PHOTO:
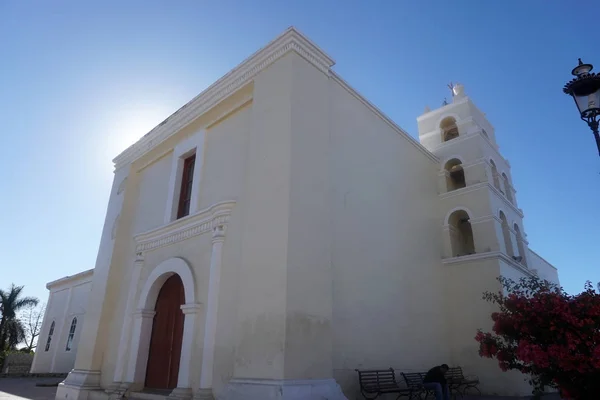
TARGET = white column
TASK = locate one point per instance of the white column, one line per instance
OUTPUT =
(140, 345)
(58, 335)
(85, 376)
(210, 330)
(184, 387)
(127, 319)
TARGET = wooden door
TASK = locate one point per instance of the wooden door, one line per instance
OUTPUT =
(167, 333)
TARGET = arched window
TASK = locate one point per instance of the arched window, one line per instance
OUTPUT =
(455, 175)
(449, 129)
(461, 234)
(50, 333)
(506, 234)
(507, 188)
(71, 334)
(520, 244)
(495, 175)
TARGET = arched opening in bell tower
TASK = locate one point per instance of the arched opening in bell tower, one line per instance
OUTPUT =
(455, 175)
(507, 188)
(449, 129)
(520, 244)
(506, 235)
(495, 178)
(461, 234)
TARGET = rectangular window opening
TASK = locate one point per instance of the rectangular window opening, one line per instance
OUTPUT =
(185, 193)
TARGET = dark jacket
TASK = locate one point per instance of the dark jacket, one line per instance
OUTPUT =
(435, 374)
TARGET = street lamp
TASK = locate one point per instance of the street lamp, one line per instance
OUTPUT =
(585, 90)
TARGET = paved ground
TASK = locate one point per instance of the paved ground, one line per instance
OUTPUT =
(25, 388)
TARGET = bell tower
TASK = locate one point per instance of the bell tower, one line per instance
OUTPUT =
(474, 183)
(481, 227)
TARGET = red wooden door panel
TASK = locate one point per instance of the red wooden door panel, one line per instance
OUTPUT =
(167, 334)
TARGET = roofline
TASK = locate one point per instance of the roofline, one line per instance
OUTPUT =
(289, 41)
(70, 278)
(385, 118)
(445, 108)
(543, 259)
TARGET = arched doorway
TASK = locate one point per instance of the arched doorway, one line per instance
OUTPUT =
(167, 334)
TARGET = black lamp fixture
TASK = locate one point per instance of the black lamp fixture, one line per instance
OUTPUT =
(585, 90)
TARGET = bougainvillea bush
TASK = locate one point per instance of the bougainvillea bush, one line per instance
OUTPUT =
(551, 336)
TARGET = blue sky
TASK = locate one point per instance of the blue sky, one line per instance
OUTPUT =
(80, 81)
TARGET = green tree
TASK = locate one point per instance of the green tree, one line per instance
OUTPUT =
(12, 331)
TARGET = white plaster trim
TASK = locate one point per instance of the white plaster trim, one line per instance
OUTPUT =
(290, 41)
(160, 274)
(452, 157)
(235, 107)
(184, 228)
(384, 117)
(487, 256)
(459, 208)
(127, 318)
(447, 108)
(85, 276)
(210, 331)
(477, 186)
(445, 115)
(146, 164)
(184, 149)
(192, 308)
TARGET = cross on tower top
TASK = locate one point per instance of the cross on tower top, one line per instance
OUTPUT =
(451, 87)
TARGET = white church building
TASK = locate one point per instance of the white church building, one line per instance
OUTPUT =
(279, 231)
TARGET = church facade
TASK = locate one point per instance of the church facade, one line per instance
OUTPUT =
(279, 231)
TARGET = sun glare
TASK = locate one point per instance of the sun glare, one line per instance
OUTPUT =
(135, 124)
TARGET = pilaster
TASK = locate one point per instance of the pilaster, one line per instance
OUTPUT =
(184, 387)
(85, 377)
(124, 341)
(138, 351)
(210, 331)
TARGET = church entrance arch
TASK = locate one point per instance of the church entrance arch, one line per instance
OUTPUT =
(164, 353)
(163, 328)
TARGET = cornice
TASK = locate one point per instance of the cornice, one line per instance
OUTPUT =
(290, 41)
(542, 258)
(488, 256)
(446, 108)
(81, 276)
(477, 186)
(207, 220)
(384, 117)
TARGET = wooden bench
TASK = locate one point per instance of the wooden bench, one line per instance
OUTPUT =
(377, 382)
(458, 383)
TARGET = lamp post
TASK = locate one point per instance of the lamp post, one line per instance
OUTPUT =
(585, 90)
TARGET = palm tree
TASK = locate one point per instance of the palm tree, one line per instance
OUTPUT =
(11, 329)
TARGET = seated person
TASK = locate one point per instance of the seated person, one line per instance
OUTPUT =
(435, 380)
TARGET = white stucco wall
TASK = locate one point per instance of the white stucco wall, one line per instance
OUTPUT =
(544, 269)
(67, 300)
(385, 246)
(153, 188)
